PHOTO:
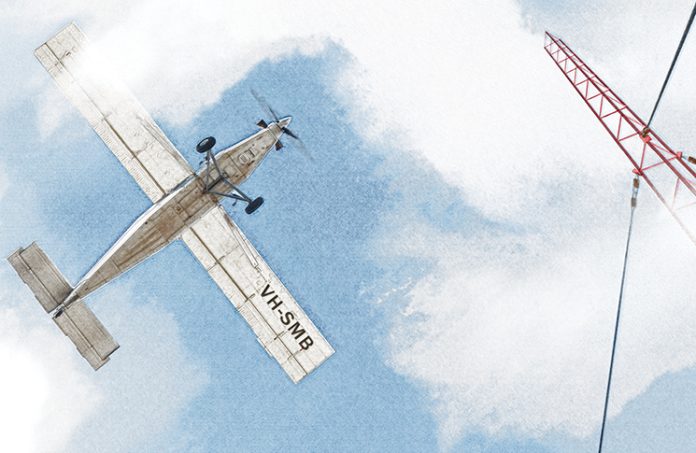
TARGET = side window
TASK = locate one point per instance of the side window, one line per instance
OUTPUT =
(246, 157)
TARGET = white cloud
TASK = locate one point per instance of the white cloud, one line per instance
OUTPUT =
(513, 332)
(52, 112)
(53, 401)
(524, 320)
(148, 382)
(45, 391)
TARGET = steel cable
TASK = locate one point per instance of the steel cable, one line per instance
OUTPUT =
(634, 199)
(671, 67)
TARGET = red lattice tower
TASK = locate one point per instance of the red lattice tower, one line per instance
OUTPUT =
(664, 170)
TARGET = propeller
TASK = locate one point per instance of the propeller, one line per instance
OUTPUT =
(269, 110)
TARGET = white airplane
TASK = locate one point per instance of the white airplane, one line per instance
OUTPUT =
(186, 206)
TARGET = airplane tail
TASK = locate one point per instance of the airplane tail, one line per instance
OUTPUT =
(74, 318)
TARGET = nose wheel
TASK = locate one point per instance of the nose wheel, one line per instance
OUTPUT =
(205, 145)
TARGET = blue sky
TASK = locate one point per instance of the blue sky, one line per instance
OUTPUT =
(468, 293)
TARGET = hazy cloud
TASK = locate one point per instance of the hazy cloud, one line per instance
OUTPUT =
(53, 401)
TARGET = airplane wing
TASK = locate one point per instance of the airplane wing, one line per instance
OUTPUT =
(281, 326)
(118, 118)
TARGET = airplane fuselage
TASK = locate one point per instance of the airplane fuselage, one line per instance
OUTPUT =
(165, 220)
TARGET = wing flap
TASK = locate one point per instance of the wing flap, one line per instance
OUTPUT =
(280, 324)
(119, 120)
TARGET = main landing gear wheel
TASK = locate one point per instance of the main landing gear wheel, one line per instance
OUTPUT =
(253, 205)
(205, 145)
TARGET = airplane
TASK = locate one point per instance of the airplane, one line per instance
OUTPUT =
(186, 205)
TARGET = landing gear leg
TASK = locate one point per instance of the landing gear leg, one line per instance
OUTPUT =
(205, 146)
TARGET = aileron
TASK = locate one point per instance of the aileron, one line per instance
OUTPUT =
(119, 120)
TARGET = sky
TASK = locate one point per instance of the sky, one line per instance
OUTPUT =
(457, 236)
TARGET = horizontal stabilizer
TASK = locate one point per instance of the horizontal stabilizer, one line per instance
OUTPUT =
(42, 276)
(88, 334)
